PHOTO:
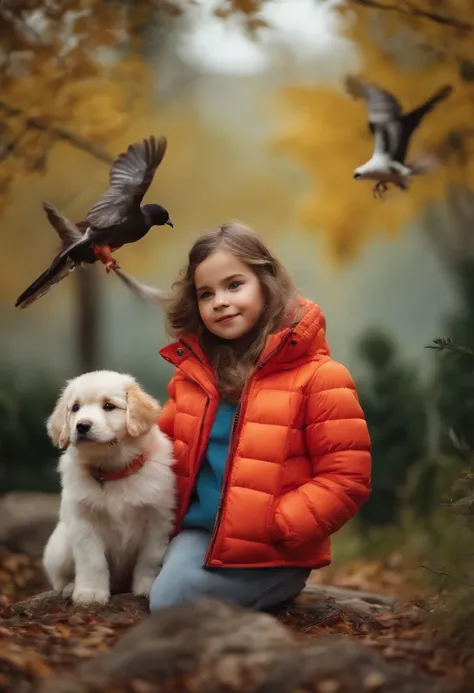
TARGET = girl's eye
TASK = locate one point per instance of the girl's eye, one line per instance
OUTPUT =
(205, 295)
(234, 285)
(75, 407)
(108, 406)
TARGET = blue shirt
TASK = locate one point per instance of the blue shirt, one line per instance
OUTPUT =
(208, 487)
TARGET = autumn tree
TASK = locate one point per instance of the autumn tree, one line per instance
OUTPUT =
(57, 85)
(410, 48)
(73, 71)
(69, 69)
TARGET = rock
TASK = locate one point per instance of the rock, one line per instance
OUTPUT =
(346, 595)
(52, 602)
(27, 520)
(206, 638)
(345, 666)
(210, 647)
(317, 606)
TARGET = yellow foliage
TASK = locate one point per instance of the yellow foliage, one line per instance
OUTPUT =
(97, 108)
(54, 74)
(326, 130)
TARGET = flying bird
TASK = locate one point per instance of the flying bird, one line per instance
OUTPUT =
(117, 218)
(392, 131)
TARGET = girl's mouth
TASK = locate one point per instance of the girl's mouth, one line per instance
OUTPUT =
(227, 318)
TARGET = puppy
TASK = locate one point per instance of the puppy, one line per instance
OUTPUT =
(118, 489)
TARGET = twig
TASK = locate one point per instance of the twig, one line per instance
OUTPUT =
(417, 12)
(446, 575)
(58, 132)
(9, 147)
(446, 344)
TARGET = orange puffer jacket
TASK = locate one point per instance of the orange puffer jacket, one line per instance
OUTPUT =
(299, 462)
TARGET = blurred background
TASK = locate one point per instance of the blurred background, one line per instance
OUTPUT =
(250, 96)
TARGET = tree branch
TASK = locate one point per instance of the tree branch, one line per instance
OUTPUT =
(414, 11)
(9, 147)
(447, 575)
(58, 132)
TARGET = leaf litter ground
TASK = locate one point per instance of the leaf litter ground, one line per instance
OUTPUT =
(40, 640)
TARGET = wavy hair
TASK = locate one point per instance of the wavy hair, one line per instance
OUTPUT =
(233, 361)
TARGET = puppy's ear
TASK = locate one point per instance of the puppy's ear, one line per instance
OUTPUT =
(142, 411)
(58, 423)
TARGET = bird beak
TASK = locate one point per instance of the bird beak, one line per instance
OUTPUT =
(170, 223)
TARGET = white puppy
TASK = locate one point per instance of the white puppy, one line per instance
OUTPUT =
(118, 489)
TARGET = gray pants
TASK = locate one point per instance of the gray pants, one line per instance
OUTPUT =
(183, 578)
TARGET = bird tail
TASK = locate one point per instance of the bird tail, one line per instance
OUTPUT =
(45, 282)
(70, 235)
(151, 294)
(418, 113)
(422, 164)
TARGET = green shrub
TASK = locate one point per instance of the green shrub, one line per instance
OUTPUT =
(27, 458)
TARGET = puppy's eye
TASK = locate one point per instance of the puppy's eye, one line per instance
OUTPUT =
(75, 407)
(108, 406)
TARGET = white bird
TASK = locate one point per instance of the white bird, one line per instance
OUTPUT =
(392, 131)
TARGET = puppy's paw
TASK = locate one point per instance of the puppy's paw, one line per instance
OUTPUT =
(68, 591)
(83, 596)
(142, 585)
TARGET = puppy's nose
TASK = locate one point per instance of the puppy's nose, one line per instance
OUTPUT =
(83, 426)
(356, 175)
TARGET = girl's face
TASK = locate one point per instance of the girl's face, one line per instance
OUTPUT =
(229, 295)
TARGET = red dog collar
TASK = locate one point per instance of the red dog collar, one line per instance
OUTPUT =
(136, 464)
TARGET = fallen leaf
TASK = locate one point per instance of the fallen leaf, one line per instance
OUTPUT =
(64, 631)
(82, 652)
(374, 681)
(39, 668)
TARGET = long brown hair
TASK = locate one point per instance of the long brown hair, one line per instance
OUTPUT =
(233, 362)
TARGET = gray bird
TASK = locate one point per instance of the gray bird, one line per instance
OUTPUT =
(392, 131)
(117, 218)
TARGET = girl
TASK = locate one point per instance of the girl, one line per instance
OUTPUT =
(272, 449)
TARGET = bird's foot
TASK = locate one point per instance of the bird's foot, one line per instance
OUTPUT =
(379, 190)
(111, 266)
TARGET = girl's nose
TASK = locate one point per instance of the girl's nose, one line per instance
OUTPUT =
(220, 301)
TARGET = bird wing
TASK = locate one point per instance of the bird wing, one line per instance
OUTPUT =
(387, 138)
(45, 282)
(66, 230)
(130, 177)
(410, 121)
(381, 105)
(384, 113)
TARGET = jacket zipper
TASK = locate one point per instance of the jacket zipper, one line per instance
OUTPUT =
(230, 456)
(201, 428)
(199, 457)
(228, 465)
